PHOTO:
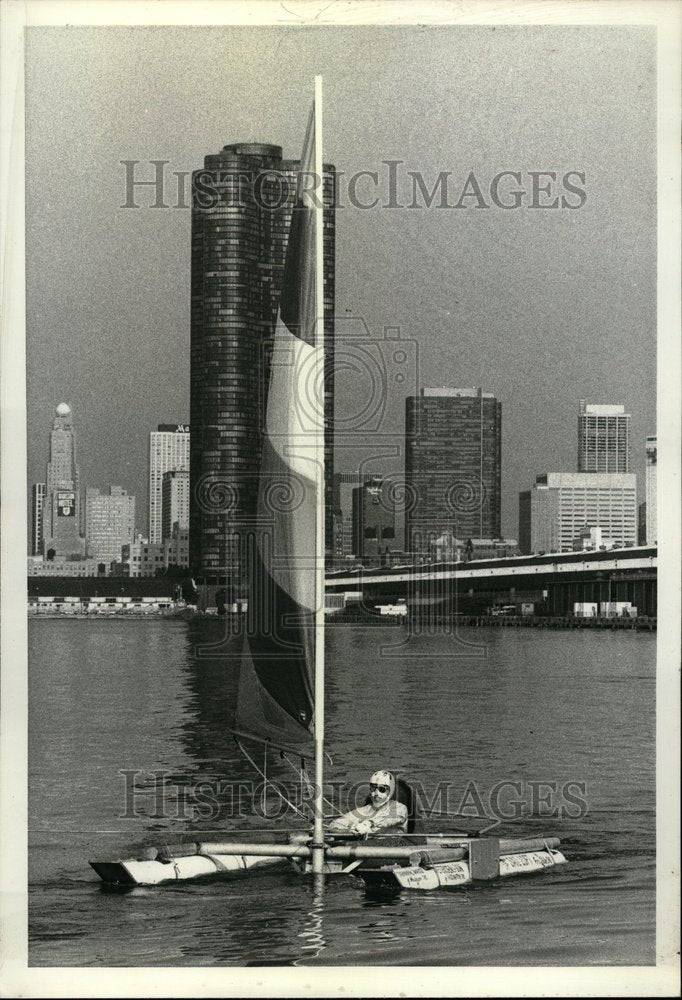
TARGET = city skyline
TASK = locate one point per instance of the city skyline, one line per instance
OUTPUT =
(169, 447)
(169, 431)
(543, 308)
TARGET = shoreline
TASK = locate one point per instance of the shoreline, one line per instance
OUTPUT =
(421, 623)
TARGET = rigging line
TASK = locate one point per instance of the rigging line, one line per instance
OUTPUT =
(258, 771)
(302, 771)
(304, 777)
(305, 781)
(265, 779)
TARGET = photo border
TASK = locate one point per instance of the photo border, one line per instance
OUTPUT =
(19, 979)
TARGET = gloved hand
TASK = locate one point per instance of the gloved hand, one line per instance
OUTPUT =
(363, 827)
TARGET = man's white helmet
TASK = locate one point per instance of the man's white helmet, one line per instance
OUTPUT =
(385, 780)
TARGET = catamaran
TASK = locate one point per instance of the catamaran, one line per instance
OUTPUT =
(280, 699)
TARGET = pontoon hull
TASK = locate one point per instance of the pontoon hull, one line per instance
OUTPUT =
(454, 873)
(433, 868)
(131, 872)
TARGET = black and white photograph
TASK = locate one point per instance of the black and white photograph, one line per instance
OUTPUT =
(340, 341)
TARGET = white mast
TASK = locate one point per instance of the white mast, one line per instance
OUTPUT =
(318, 829)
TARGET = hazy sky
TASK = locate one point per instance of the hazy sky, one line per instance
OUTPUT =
(540, 307)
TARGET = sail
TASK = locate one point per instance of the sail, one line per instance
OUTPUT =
(276, 691)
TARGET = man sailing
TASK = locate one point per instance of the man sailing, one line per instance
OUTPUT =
(381, 810)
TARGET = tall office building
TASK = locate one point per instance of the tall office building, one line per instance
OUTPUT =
(343, 487)
(452, 466)
(61, 509)
(562, 505)
(109, 523)
(169, 450)
(241, 208)
(38, 491)
(175, 503)
(603, 438)
(650, 491)
(373, 520)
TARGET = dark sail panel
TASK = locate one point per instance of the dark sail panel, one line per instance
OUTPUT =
(276, 688)
(281, 645)
(259, 715)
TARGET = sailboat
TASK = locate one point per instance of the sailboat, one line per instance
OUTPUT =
(280, 699)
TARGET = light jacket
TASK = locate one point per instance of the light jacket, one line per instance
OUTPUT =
(391, 815)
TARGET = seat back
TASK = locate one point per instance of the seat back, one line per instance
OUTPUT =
(405, 793)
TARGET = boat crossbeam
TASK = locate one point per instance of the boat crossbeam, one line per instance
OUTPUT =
(457, 851)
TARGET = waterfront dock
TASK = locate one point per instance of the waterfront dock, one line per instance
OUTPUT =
(641, 624)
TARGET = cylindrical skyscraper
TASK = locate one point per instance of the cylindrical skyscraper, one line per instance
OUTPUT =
(241, 208)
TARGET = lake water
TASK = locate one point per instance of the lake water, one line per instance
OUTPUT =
(517, 705)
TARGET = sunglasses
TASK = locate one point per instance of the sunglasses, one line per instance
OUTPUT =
(379, 788)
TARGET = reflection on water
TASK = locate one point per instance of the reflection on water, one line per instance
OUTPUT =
(106, 697)
(312, 933)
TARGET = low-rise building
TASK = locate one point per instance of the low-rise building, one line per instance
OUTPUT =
(38, 566)
(561, 504)
(142, 558)
(177, 547)
(591, 539)
(447, 548)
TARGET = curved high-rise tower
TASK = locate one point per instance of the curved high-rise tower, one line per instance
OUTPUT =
(241, 208)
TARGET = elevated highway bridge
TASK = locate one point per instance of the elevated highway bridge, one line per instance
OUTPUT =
(554, 581)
